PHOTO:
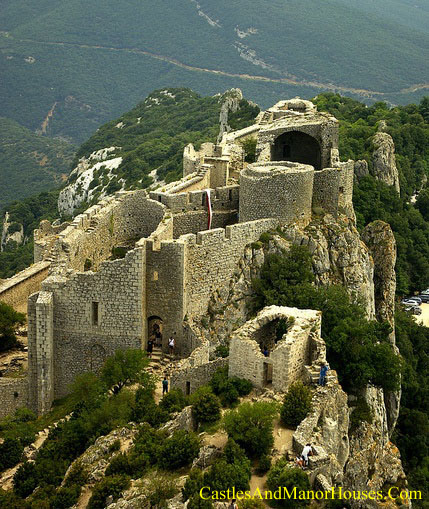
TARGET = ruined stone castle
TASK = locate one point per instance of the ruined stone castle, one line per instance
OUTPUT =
(179, 244)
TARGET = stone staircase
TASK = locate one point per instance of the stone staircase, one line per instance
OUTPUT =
(313, 374)
(161, 364)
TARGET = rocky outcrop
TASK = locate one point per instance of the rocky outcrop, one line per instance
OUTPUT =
(374, 463)
(183, 420)
(384, 160)
(361, 169)
(339, 257)
(230, 103)
(379, 238)
(11, 232)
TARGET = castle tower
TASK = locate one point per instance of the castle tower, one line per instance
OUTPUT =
(281, 190)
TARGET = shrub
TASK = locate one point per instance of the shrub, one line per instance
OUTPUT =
(10, 453)
(296, 404)
(179, 450)
(24, 415)
(251, 426)
(173, 401)
(264, 464)
(196, 502)
(205, 407)
(77, 476)
(229, 389)
(193, 484)
(222, 351)
(251, 503)
(115, 446)
(231, 470)
(146, 410)
(361, 413)
(120, 464)
(109, 486)
(25, 479)
(66, 497)
(282, 476)
(9, 321)
(242, 385)
(162, 488)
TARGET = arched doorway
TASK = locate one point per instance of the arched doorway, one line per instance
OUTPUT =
(297, 147)
(154, 330)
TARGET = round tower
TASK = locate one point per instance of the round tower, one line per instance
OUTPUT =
(282, 190)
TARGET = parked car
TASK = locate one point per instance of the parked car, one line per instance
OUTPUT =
(424, 297)
(414, 310)
(411, 300)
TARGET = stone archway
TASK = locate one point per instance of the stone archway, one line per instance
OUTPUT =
(297, 147)
(154, 329)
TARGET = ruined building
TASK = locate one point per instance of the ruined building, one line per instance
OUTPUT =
(181, 243)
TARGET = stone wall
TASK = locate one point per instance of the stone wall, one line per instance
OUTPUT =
(117, 220)
(287, 359)
(280, 190)
(16, 290)
(326, 189)
(196, 221)
(212, 257)
(94, 315)
(13, 395)
(191, 378)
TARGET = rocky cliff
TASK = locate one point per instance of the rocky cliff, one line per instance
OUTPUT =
(384, 159)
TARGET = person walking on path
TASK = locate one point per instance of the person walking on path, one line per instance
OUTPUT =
(306, 452)
(164, 385)
(322, 375)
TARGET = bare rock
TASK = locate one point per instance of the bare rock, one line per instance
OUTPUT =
(183, 420)
(206, 456)
(361, 169)
(384, 160)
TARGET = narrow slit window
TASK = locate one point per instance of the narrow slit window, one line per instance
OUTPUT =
(95, 313)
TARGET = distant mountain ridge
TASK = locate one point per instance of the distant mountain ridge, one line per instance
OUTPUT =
(89, 62)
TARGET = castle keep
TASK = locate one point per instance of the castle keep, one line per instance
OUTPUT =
(170, 263)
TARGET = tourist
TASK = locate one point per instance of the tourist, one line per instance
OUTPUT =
(171, 345)
(149, 347)
(233, 504)
(266, 352)
(306, 452)
(164, 385)
(322, 375)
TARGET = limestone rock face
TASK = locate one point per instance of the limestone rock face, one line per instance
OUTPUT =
(384, 160)
(11, 232)
(361, 169)
(183, 420)
(339, 257)
(374, 462)
(230, 103)
(379, 238)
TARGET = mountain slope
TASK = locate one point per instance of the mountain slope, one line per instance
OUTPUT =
(88, 62)
(30, 163)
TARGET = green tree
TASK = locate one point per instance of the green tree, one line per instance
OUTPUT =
(205, 407)
(9, 322)
(251, 426)
(282, 475)
(125, 367)
(296, 404)
(179, 450)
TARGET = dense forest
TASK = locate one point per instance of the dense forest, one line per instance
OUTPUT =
(29, 162)
(74, 54)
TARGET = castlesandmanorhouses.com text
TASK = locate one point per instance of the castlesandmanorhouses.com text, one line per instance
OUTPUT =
(393, 493)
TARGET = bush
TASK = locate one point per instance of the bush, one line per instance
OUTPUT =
(24, 415)
(25, 479)
(179, 450)
(161, 489)
(146, 410)
(205, 407)
(251, 426)
(66, 497)
(115, 446)
(251, 503)
(242, 385)
(173, 401)
(10, 453)
(196, 502)
(229, 389)
(222, 351)
(264, 464)
(120, 464)
(282, 476)
(296, 405)
(193, 484)
(361, 413)
(9, 321)
(109, 486)
(77, 476)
